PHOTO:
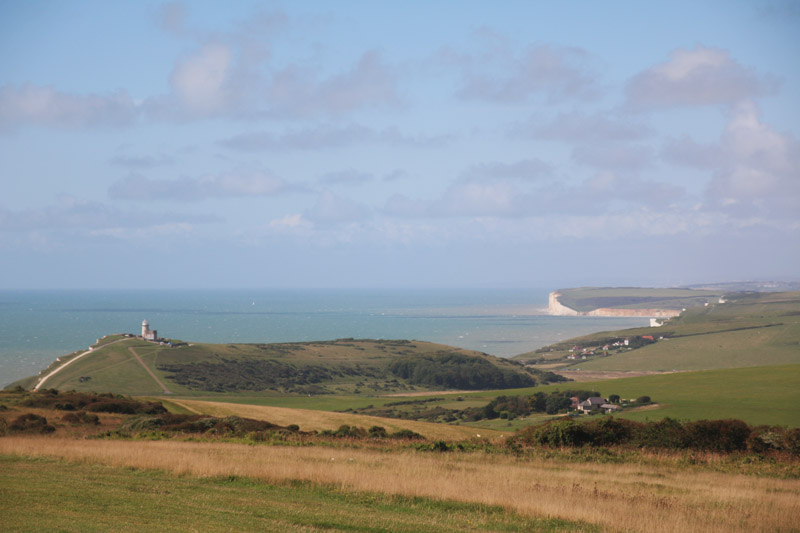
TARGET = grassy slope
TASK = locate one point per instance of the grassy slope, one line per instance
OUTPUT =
(113, 368)
(759, 395)
(47, 494)
(589, 298)
(753, 331)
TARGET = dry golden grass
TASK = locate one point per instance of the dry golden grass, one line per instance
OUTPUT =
(310, 420)
(629, 497)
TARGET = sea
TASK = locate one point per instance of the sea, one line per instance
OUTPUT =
(37, 326)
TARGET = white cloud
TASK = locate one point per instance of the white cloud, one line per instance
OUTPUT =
(346, 177)
(702, 76)
(332, 208)
(759, 169)
(76, 214)
(525, 169)
(582, 127)
(200, 83)
(296, 92)
(498, 74)
(613, 156)
(685, 151)
(326, 136)
(31, 104)
(236, 184)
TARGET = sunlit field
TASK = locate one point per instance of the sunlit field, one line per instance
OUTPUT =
(653, 495)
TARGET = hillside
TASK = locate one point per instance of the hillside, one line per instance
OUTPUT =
(749, 329)
(134, 366)
(628, 301)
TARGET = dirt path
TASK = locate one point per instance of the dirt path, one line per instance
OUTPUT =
(62, 367)
(601, 375)
(147, 368)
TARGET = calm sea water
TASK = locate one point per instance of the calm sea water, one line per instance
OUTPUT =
(38, 326)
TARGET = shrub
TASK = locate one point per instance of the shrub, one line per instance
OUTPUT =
(81, 417)
(561, 433)
(717, 435)
(377, 432)
(610, 430)
(643, 399)
(31, 423)
(664, 433)
(406, 434)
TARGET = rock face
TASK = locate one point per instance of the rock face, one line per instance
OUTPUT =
(558, 309)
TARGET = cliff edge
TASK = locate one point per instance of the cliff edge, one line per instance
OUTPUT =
(556, 308)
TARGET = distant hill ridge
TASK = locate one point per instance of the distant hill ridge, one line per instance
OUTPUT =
(628, 301)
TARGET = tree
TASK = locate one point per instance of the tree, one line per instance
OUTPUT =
(614, 398)
(643, 399)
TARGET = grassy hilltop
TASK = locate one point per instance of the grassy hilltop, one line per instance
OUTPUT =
(346, 366)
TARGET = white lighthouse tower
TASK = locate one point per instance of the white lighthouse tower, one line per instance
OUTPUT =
(147, 333)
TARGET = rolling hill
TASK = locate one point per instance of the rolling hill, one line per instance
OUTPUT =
(747, 330)
(130, 365)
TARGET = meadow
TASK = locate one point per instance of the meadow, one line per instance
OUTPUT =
(145, 479)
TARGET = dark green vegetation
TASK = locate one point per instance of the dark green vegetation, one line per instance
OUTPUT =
(753, 329)
(91, 402)
(721, 436)
(586, 299)
(440, 409)
(52, 495)
(332, 367)
(450, 370)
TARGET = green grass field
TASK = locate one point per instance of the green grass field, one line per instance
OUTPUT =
(50, 495)
(758, 395)
(749, 330)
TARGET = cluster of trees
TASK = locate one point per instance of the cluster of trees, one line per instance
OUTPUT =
(726, 436)
(457, 371)
(511, 407)
(182, 423)
(231, 375)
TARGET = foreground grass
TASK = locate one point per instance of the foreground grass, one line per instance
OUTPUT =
(652, 495)
(47, 494)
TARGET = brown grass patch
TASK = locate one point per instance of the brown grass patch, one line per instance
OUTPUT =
(310, 420)
(631, 497)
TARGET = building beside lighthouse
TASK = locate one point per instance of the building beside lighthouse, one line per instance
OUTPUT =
(147, 333)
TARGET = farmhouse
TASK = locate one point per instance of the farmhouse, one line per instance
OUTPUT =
(591, 404)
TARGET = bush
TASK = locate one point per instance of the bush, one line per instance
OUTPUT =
(406, 434)
(643, 399)
(664, 433)
(31, 423)
(81, 417)
(717, 435)
(377, 432)
(561, 433)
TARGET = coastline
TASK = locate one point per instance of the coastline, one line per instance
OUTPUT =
(556, 308)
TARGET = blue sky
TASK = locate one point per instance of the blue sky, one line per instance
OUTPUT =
(407, 144)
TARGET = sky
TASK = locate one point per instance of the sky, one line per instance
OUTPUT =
(387, 144)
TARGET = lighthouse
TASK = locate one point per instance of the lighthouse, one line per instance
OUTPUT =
(147, 333)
